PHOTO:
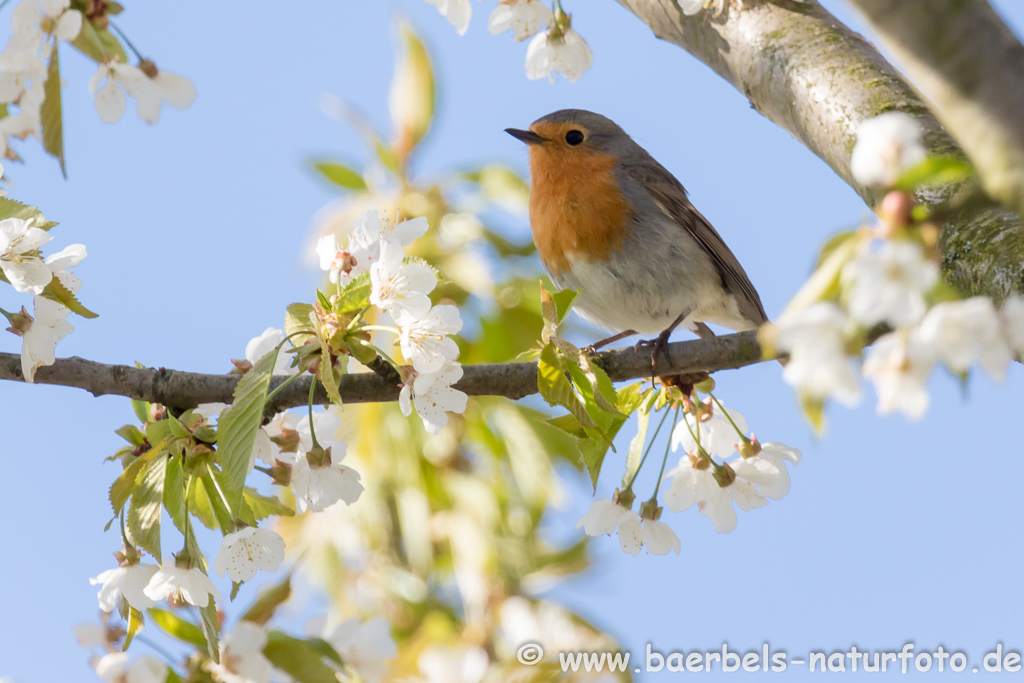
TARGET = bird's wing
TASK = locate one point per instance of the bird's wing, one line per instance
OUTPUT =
(671, 197)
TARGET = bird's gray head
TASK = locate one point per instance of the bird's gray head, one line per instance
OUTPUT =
(576, 128)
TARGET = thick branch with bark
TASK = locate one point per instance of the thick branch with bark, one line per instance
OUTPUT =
(512, 380)
(969, 63)
(810, 74)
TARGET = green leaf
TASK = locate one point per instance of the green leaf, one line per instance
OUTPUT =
(10, 208)
(141, 409)
(832, 243)
(237, 427)
(823, 284)
(340, 175)
(211, 629)
(123, 486)
(297, 319)
(935, 170)
(50, 115)
(270, 598)
(325, 373)
(200, 507)
(556, 389)
(814, 413)
(223, 515)
(265, 506)
(174, 492)
(563, 302)
(147, 502)
(300, 659)
(176, 627)
(354, 295)
(131, 434)
(135, 624)
(98, 45)
(411, 98)
(61, 294)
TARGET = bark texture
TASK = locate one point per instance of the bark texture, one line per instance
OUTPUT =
(513, 380)
(807, 72)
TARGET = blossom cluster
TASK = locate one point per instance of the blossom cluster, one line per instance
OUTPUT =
(25, 268)
(721, 465)
(556, 46)
(401, 287)
(23, 64)
(889, 281)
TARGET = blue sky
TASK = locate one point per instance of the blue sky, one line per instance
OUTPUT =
(893, 532)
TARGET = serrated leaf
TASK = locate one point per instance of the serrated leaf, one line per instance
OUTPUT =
(174, 492)
(269, 599)
(211, 629)
(143, 517)
(123, 486)
(556, 389)
(50, 115)
(236, 429)
(568, 424)
(56, 291)
(325, 373)
(298, 658)
(340, 175)
(10, 208)
(935, 170)
(159, 431)
(176, 627)
(135, 624)
(354, 295)
(262, 506)
(297, 318)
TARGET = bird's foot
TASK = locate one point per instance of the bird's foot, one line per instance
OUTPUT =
(596, 346)
(658, 346)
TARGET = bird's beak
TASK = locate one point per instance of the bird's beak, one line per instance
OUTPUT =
(527, 136)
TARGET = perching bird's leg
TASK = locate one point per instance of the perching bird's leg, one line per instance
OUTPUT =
(661, 342)
(593, 348)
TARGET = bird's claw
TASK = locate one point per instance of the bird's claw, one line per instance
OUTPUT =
(658, 346)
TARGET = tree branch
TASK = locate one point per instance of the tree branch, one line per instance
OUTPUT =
(969, 63)
(513, 380)
(807, 72)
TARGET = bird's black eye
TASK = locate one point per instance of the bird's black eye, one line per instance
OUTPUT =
(574, 137)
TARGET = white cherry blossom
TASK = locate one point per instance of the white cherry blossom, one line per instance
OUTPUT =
(326, 424)
(20, 260)
(192, 585)
(319, 487)
(603, 517)
(692, 485)
(115, 667)
(567, 53)
(116, 78)
(246, 551)
(423, 341)
(523, 17)
(241, 656)
(175, 90)
(778, 453)
(899, 364)
(887, 145)
(400, 288)
(65, 23)
(457, 12)
(818, 366)
(717, 435)
(39, 341)
(89, 635)
(887, 282)
(964, 331)
(656, 536)
(434, 396)
(366, 647)
(261, 345)
(129, 581)
(366, 238)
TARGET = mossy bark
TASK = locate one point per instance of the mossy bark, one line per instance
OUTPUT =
(804, 70)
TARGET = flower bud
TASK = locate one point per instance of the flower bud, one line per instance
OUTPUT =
(705, 387)
(895, 212)
(241, 367)
(724, 475)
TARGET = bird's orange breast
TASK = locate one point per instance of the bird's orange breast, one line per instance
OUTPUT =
(577, 210)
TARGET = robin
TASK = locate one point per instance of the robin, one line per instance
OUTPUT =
(612, 224)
